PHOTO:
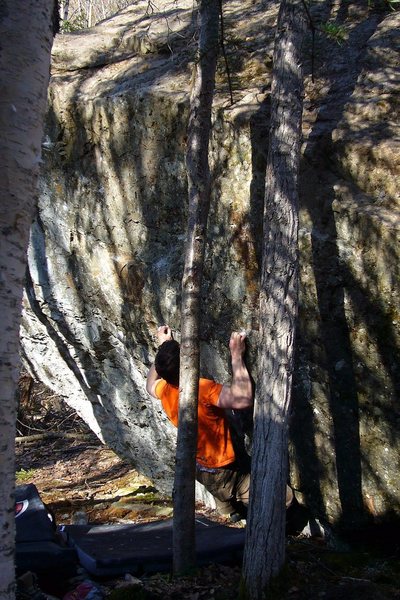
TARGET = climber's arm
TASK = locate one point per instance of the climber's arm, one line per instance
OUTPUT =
(239, 394)
(164, 333)
(152, 380)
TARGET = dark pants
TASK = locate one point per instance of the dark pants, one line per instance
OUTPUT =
(230, 487)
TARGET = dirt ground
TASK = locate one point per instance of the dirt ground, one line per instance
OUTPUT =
(83, 481)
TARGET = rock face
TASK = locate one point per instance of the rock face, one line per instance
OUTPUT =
(105, 257)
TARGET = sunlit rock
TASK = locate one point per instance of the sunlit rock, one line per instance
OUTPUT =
(105, 258)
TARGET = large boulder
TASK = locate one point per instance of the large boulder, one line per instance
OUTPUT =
(105, 258)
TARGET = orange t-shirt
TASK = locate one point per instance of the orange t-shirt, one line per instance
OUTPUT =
(214, 443)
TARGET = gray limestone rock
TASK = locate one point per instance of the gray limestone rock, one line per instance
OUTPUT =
(105, 257)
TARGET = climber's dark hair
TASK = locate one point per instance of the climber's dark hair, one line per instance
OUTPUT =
(167, 362)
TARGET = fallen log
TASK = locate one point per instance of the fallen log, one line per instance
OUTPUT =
(46, 435)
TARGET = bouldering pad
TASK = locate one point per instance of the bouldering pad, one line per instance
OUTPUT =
(39, 547)
(33, 521)
(111, 550)
(45, 558)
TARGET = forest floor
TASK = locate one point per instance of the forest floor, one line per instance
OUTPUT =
(82, 480)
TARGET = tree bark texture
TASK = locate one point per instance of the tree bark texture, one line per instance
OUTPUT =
(265, 536)
(64, 10)
(26, 37)
(199, 201)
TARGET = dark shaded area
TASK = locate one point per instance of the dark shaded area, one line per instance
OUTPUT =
(332, 350)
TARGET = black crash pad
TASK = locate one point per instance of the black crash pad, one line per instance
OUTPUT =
(39, 547)
(111, 550)
(45, 558)
(33, 522)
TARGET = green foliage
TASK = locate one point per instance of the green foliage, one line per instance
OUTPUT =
(335, 32)
(22, 475)
(78, 22)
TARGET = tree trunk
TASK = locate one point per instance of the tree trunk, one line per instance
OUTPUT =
(265, 535)
(199, 200)
(26, 38)
(64, 10)
(89, 13)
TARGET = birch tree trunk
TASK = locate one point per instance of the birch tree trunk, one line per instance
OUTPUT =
(89, 13)
(199, 201)
(265, 536)
(26, 37)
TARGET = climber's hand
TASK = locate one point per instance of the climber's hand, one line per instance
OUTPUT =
(164, 333)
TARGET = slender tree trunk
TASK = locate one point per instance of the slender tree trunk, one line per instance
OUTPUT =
(265, 536)
(103, 9)
(64, 10)
(89, 12)
(26, 37)
(199, 201)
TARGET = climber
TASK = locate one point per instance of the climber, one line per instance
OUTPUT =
(216, 465)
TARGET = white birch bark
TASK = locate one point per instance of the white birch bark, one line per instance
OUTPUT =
(265, 536)
(26, 38)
